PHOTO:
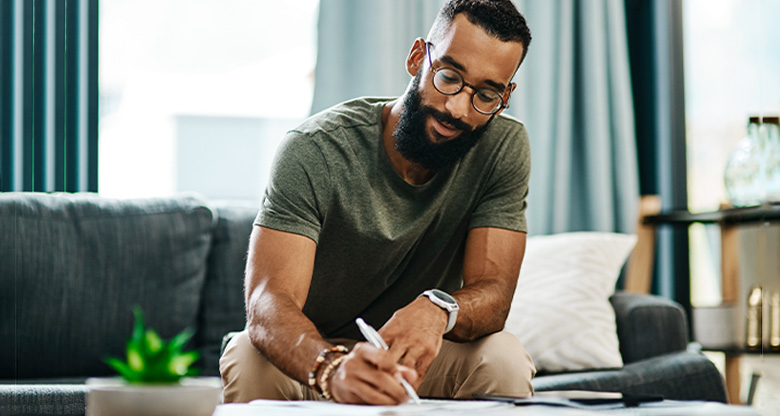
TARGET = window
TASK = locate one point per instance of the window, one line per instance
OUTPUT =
(196, 94)
(731, 66)
(732, 63)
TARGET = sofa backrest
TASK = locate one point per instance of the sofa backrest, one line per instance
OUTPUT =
(222, 303)
(73, 265)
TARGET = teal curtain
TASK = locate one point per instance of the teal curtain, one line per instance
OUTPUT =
(362, 46)
(574, 95)
(655, 36)
(48, 95)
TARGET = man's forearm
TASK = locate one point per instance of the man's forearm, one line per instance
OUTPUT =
(278, 274)
(491, 266)
(484, 307)
(283, 334)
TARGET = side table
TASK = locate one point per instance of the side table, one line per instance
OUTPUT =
(639, 277)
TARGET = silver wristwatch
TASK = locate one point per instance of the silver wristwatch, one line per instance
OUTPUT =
(445, 301)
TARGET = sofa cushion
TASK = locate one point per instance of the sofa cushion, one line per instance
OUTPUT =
(42, 399)
(561, 310)
(222, 308)
(73, 265)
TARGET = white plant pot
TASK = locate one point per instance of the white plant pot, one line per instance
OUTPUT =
(197, 396)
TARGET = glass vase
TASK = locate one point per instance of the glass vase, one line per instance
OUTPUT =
(744, 173)
(771, 126)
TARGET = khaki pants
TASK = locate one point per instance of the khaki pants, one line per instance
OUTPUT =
(495, 364)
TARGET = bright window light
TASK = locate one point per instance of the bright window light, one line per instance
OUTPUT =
(732, 63)
(195, 95)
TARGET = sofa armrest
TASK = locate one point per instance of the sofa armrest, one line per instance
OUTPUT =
(677, 376)
(648, 326)
(42, 399)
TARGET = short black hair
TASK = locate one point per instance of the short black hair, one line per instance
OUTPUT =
(499, 18)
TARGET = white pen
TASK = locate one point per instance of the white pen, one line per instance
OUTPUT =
(376, 340)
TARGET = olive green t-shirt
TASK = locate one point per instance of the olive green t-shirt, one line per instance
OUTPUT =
(381, 241)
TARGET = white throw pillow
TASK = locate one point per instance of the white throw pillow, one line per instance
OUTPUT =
(561, 310)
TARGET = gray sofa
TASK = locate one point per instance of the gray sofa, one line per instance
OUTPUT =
(72, 267)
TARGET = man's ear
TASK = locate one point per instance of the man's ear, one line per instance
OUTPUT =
(416, 57)
(508, 93)
(506, 96)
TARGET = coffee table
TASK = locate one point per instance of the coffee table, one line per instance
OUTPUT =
(665, 408)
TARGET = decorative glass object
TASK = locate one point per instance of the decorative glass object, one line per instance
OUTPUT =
(744, 176)
(771, 127)
(774, 322)
(754, 317)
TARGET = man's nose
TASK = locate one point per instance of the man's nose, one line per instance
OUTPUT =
(459, 105)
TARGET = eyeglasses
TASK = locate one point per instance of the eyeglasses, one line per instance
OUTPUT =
(449, 82)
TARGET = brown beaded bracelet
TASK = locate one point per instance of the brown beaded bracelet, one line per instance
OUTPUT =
(318, 363)
(324, 382)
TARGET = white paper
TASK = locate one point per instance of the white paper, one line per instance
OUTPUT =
(427, 407)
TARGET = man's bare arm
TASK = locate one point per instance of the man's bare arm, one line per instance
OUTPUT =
(278, 277)
(490, 269)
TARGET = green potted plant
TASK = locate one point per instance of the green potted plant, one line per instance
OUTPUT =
(156, 378)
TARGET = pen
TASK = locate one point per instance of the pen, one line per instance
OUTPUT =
(376, 340)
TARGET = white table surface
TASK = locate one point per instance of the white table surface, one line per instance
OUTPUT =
(666, 408)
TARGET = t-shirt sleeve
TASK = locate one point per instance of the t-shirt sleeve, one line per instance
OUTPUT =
(503, 202)
(296, 195)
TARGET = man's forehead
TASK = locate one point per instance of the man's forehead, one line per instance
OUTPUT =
(477, 51)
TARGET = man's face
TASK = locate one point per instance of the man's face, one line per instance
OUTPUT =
(414, 142)
(435, 130)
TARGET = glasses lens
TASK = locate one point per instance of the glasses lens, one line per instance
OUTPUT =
(487, 101)
(447, 81)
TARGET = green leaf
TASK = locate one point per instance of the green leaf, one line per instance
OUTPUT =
(135, 358)
(138, 329)
(180, 364)
(153, 342)
(152, 360)
(123, 369)
(177, 342)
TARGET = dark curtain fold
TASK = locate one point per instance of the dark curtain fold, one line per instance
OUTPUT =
(657, 74)
(6, 93)
(48, 95)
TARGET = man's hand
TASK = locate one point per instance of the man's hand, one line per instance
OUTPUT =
(414, 334)
(370, 375)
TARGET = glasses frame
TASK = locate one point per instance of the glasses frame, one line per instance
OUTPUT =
(502, 104)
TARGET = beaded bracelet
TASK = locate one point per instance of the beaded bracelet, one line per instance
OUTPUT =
(318, 363)
(326, 374)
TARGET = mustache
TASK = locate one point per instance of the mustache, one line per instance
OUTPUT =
(446, 118)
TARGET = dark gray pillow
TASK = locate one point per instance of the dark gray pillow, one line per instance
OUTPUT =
(222, 309)
(73, 265)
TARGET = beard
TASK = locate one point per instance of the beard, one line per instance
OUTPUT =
(413, 142)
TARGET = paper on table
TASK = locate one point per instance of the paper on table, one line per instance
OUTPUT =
(665, 408)
(427, 407)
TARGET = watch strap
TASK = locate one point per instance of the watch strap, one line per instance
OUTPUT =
(451, 307)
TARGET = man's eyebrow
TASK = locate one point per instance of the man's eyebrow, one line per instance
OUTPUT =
(449, 60)
(457, 65)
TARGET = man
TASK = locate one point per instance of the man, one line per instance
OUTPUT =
(372, 203)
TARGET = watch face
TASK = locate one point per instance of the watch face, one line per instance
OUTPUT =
(446, 302)
(443, 296)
